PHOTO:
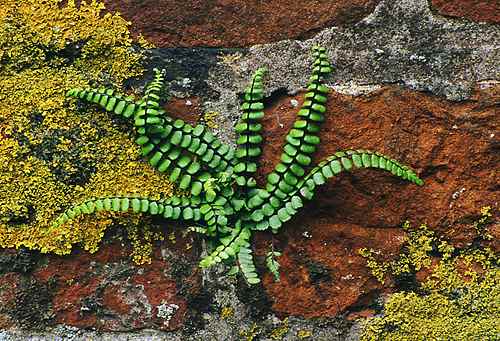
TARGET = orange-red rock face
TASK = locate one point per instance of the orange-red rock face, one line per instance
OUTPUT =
(235, 23)
(108, 292)
(477, 10)
(452, 146)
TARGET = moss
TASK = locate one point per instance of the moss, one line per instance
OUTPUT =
(54, 152)
(458, 300)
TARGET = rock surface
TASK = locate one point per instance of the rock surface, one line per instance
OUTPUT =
(235, 23)
(454, 148)
(477, 10)
(407, 82)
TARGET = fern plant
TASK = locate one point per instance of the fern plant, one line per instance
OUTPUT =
(223, 201)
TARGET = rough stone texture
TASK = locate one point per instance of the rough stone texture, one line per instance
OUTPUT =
(62, 298)
(412, 84)
(235, 23)
(104, 291)
(477, 10)
(322, 273)
(453, 146)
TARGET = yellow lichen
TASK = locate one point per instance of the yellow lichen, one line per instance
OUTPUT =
(279, 332)
(418, 243)
(458, 300)
(378, 269)
(251, 333)
(52, 151)
(226, 312)
(209, 119)
(304, 334)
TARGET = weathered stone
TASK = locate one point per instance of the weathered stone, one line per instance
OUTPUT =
(235, 23)
(106, 291)
(9, 288)
(453, 146)
(322, 273)
(485, 10)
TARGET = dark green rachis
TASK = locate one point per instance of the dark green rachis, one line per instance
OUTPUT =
(225, 202)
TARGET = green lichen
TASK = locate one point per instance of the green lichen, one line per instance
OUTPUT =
(50, 154)
(459, 299)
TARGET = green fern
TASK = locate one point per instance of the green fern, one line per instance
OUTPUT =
(272, 264)
(224, 201)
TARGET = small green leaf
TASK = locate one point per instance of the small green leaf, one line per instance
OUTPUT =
(290, 179)
(290, 150)
(283, 215)
(356, 159)
(196, 188)
(115, 204)
(174, 175)
(267, 209)
(297, 170)
(327, 171)
(253, 280)
(187, 213)
(176, 138)
(164, 165)
(153, 161)
(144, 205)
(382, 162)
(304, 160)
(185, 181)
(346, 163)
(318, 178)
(366, 160)
(275, 222)
(296, 202)
(257, 215)
(153, 208)
(136, 205)
(285, 158)
(295, 133)
(129, 110)
(312, 139)
(107, 204)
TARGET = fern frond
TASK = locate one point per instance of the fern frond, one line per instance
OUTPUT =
(273, 265)
(330, 167)
(225, 203)
(303, 138)
(245, 259)
(107, 99)
(154, 89)
(248, 130)
(215, 215)
(175, 208)
(230, 246)
(178, 147)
